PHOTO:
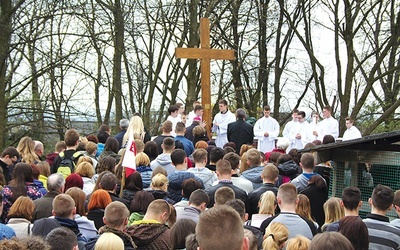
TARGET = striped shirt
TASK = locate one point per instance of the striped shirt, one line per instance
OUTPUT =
(382, 235)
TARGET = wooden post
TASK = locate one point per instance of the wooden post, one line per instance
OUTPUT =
(205, 54)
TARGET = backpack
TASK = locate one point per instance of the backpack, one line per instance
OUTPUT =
(67, 165)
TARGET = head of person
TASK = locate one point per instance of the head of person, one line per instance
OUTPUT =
(282, 143)
(23, 208)
(267, 111)
(267, 203)
(73, 180)
(349, 122)
(180, 128)
(240, 207)
(200, 156)
(173, 110)
(223, 106)
(159, 182)
(168, 144)
(351, 198)
(44, 168)
(116, 215)
(223, 195)
(166, 127)
(355, 230)
(199, 198)
(85, 169)
(124, 123)
(179, 231)
(382, 198)
(301, 116)
(188, 186)
(158, 210)
(273, 157)
(283, 158)
(178, 157)
(181, 107)
(219, 220)
(26, 148)
(303, 207)
(307, 161)
(234, 160)
(253, 157)
(327, 111)
(223, 169)
(64, 235)
(328, 139)
(10, 155)
(276, 235)
(184, 117)
(39, 148)
(135, 129)
(55, 183)
(198, 131)
(102, 136)
(287, 195)
(64, 206)
(108, 182)
(298, 243)
(296, 155)
(270, 173)
(91, 148)
(141, 202)
(92, 138)
(71, 138)
(241, 114)
(134, 182)
(333, 210)
(106, 164)
(109, 241)
(112, 145)
(330, 241)
(151, 150)
(159, 170)
(79, 198)
(201, 144)
(198, 110)
(99, 200)
(216, 154)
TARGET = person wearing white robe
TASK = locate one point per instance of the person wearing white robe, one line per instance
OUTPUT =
(301, 133)
(314, 124)
(288, 127)
(266, 130)
(191, 115)
(352, 132)
(220, 123)
(328, 126)
(173, 117)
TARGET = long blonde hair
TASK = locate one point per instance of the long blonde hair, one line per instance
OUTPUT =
(333, 211)
(26, 148)
(303, 207)
(267, 203)
(135, 129)
(275, 236)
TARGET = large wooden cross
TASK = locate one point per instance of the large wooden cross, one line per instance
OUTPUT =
(205, 54)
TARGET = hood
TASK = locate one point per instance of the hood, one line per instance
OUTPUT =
(144, 234)
(253, 174)
(288, 168)
(128, 242)
(203, 174)
(176, 179)
(164, 159)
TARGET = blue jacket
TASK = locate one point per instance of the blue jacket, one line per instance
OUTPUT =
(175, 183)
(254, 175)
(145, 172)
(187, 144)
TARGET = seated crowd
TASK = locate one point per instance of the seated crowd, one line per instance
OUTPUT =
(180, 196)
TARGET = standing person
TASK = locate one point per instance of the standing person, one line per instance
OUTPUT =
(301, 133)
(352, 132)
(266, 130)
(192, 114)
(173, 117)
(9, 157)
(382, 234)
(180, 130)
(39, 149)
(289, 128)
(206, 175)
(307, 163)
(60, 147)
(328, 126)
(314, 124)
(166, 132)
(181, 112)
(240, 132)
(123, 125)
(220, 123)
(164, 159)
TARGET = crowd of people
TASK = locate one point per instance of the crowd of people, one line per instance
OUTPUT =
(184, 191)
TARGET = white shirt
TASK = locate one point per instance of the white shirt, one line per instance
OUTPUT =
(328, 126)
(304, 129)
(190, 117)
(288, 128)
(222, 120)
(174, 121)
(351, 133)
(270, 125)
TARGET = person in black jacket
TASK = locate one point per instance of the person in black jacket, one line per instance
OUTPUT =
(240, 132)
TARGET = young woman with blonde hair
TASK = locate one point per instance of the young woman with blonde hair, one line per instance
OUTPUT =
(276, 235)
(267, 205)
(333, 211)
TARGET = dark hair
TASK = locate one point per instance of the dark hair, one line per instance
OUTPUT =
(102, 136)
(188, 186)
(107, 163)
(216, 154)
(328, 139)
(382, 197)
(318, 182)
(295, 154)
(179, 231)
(11, 152)
(108, 181)
(199, 196)
(172, 109)
(92, 138)
(198, 107)
(134, 182)
(223, 101)
(273, 157)
(112, 145)
(302, 113)
(351, 197)
(283, 158)
(141, 202)
(178, 156)
(64, 235)
(355, 230)
(233, 158)
(22, 173)
(241, 114)
(151, 150)
(229, 144)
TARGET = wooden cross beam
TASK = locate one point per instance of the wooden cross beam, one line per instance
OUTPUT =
(205, 54)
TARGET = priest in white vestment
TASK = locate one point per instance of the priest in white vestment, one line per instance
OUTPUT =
(266, 130)
(328, 126)
(301, 133)
(352, 132)
(220, 123)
